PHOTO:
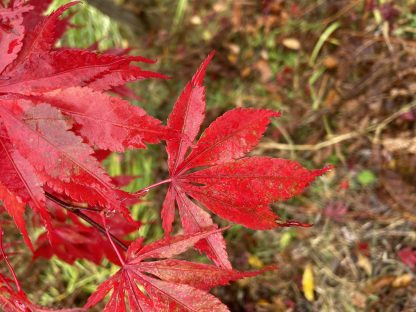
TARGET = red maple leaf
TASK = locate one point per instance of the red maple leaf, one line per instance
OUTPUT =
(169, 284)
(54, 113)
(231, 185)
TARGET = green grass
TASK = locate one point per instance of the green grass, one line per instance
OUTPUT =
(92, 27)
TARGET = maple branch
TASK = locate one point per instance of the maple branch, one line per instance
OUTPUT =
(100, 228)
(68, 206)
(77, 211)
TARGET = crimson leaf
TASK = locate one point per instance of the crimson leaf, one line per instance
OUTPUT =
(229, 184)
(170, 285)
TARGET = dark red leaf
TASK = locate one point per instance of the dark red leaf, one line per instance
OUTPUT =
(180, 286)
(42, 136)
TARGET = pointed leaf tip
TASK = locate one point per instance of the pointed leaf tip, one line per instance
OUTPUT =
(198, 78)
(67, 6)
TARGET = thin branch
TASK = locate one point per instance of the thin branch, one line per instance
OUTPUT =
(377, 128)
(77, 211)
(100, 228)
(68, 206)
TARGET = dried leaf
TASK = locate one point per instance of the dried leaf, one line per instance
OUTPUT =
(308, 283)
(291, 43)
(365, 264)
(407, 145)
(402, 280)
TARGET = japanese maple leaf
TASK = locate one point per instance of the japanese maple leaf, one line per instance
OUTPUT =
(216, 173)
(54, 112)
(169, 284)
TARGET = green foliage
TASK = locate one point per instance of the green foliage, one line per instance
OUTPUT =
(366, 178)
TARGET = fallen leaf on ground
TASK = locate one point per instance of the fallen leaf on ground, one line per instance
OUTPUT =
(308, 283)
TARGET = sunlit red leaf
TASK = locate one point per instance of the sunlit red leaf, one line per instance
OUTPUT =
(107, 122)
(235, 188)
(51, 121)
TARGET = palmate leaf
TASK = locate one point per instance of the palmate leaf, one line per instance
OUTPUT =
(236, 188)
(170, 285)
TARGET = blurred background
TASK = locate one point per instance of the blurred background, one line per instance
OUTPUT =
(343, 74)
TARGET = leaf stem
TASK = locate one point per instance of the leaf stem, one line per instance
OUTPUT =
(143, 191)
(111, 239)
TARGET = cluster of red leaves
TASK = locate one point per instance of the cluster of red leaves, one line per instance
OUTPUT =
(56, 118)
(53, 112)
